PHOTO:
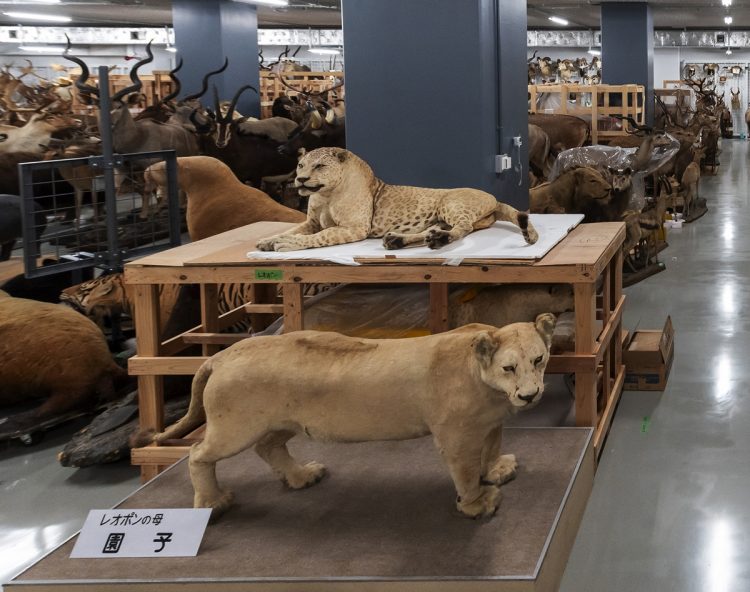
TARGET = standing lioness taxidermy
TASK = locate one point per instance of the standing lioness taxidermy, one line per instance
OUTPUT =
(457, 386)
(348, 203)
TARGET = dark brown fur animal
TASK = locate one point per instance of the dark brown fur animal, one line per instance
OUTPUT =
(52, 354)
(564, 131)
(576, 191)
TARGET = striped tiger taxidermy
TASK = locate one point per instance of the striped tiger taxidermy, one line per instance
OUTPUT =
(108, 296)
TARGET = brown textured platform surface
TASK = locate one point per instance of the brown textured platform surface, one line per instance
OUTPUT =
(386, 511)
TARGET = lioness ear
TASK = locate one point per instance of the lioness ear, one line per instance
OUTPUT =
(545, 326)
(342, 156)
(485, 347)
(301, 152)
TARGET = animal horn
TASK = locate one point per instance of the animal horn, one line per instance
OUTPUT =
(177, 86)
(137, 84)
(235, 98)
(204, 84)
(81, 81)
(330, 116)
(316, 120)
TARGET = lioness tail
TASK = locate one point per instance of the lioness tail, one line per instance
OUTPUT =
(196, 414)
(506, 213)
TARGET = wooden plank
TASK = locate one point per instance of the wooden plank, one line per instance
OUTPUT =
(608, 412)
(585, 312)
(150, 388)
(293, 303)
(215, 338)
(438, 308)
(152, 366)
(177, 256)
(265, 308)
(149, 456)
(209, 315)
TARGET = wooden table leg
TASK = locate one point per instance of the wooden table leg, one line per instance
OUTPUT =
(293, 303)
(210, 315)
(262, 294)
(150, 388)
(615, 278)
(438, 307)
(585, 311)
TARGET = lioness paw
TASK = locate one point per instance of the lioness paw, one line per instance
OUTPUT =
(286, 243)
(484, 506)
(219, 505)
(305, 476)
(392, 241)
(531, 235)
(266, 244)
(503, 471)
(437, 238)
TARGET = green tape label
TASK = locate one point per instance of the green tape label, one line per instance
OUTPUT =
(644, 425)
(269, 275)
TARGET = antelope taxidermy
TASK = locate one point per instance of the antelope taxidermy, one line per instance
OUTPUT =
(735, 98)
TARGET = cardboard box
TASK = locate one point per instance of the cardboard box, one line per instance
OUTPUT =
(648, 359)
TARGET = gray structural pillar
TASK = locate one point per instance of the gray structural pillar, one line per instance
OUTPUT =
(208, 30)
(435, 89)
(628, 47)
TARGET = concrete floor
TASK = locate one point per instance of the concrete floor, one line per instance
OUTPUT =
(669, 508)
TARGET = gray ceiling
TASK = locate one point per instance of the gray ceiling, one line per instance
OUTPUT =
(326, 14)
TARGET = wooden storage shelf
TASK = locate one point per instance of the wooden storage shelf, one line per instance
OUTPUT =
(597, 103)
(590, 255)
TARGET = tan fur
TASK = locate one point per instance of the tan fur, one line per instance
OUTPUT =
(569, 192)
(500, 305)
(48, 350)
(216, 200)
(348, 203)
(690, 180)
(457, 386)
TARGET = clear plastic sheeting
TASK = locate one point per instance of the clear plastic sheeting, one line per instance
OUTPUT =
(399, 311)
(603, 157)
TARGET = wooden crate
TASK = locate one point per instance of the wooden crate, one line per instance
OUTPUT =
(590, 255)
(155, 85)
(595, 104)
(271, 87)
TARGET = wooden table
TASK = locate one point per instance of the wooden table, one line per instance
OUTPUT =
(589, 258)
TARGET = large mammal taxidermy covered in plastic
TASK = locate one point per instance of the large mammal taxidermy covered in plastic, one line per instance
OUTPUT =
(457, 386)
(348, 203)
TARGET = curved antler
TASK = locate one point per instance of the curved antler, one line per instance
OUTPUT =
(177, 86)
(204, 84)
(137, 84)
(81, 81)
(230, 111)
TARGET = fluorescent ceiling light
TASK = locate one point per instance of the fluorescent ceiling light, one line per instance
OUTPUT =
(171, 49)
(266, 2)
(36, 2)
(728, 20)
(595, 52)
(43, 48)
(726, 2)
(324, 50)
(33, 16)
(558, 20)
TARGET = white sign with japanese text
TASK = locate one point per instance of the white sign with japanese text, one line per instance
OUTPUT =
(142, 533)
